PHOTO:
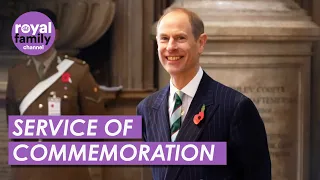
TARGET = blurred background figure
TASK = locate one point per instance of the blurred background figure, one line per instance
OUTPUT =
(77, 94)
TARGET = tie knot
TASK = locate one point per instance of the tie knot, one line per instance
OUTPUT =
(41, 66)
(41, 69)
(178, 96)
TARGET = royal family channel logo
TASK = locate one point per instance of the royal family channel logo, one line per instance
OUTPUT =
(33, 33)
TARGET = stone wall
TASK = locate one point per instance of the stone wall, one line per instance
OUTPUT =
(264, 50)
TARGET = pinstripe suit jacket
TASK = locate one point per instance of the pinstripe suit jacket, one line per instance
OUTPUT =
(229, 116)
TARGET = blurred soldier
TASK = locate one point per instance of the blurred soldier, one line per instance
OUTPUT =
(52, 84)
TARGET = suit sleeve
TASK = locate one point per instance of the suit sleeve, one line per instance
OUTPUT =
(91, 97)
(11, 104)
(139, 113)
(249, 141)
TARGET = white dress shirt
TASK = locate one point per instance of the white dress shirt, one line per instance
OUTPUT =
(189, 92)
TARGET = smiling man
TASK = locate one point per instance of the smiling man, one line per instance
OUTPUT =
(168, 115)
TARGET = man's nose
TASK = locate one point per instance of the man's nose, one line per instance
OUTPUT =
(171, 45)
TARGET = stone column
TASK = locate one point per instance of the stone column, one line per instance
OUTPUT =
(132, 45)
(132, 66)
(81, 23)
(263, 49)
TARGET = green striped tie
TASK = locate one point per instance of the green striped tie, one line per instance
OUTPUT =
(176, 116)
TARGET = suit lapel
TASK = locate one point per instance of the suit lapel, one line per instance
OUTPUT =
(161, 116)
(189, 131)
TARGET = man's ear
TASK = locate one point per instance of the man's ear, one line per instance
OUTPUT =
(202, 42)
(157, 39)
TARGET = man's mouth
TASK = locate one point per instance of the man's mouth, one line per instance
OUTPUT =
(174, 58)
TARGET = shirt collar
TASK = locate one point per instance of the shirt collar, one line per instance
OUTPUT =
(191, 88)
(48, 61)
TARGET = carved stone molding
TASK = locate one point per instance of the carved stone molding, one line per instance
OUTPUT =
(258, 19)
(81, 22)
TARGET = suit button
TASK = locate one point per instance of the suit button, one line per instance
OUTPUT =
(40, 106)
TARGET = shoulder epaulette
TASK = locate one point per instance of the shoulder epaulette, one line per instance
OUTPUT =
(79, 61)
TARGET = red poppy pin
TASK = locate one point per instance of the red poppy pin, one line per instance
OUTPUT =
(198, 117)
(66, 77)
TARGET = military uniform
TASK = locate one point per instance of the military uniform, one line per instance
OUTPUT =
(80, 95)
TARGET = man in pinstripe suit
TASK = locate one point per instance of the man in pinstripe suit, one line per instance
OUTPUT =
(168, 115)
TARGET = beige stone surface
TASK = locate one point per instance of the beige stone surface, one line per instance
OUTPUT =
(264, 49)
(279, 88)
(276, 76)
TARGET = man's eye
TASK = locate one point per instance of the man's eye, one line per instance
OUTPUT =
(181, 38)
(163, 38)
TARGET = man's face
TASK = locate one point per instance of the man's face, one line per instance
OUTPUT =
(178, 49)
